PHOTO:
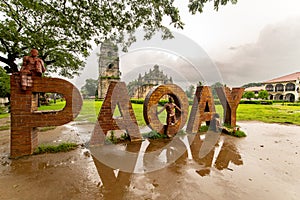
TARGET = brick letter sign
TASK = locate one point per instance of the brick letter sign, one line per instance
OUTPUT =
(151, 103)
(25, 117)
(230, 100)
(202, 110)
(116, 96)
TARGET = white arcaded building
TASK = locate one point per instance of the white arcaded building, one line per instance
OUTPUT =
(284, 88)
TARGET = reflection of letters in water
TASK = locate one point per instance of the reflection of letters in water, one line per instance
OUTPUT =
(174, 157)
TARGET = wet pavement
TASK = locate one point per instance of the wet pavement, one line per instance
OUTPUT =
(264, 165)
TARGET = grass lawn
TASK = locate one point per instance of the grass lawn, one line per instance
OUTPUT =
(276, 113)
(4, 115)
(58, 106)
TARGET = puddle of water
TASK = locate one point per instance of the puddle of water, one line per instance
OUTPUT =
(263, 165)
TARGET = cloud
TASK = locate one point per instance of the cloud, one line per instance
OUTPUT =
(276, 53)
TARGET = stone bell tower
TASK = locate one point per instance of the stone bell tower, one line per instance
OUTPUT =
(108, 67)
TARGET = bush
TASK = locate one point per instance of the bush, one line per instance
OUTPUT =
(154, 135)
(262, 102)
(63, 147)
(293, 104)
(137, 101)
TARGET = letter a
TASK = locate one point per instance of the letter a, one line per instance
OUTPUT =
(116, 95)
(202, 110)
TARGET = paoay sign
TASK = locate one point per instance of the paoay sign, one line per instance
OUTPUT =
(202, 110)
(25, 117)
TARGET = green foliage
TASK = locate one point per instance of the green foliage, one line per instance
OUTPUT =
(58, 106)
(4, 83)
(112, 138)
(293, 104)
(63, 147)
(213, 86)
(48, 128)
(275, 113)
(263, 94)
(248, 95)
(203, 128)
(64, 30)
(197, 5)
(4, 127)
(90, 88)
(263, 102)
(4, 115)
(137, 101)
(236, 133)
(252, 85)
(190, 92)
(154, 135)
(125, 137)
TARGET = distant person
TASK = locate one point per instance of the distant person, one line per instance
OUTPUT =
(32, 66)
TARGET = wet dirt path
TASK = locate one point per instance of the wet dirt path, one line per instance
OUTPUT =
(264, 165)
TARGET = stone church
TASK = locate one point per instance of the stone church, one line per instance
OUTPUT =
(108, 67)
(140, 87)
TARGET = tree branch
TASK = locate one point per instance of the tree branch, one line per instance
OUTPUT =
(5, 45)
(49, 62)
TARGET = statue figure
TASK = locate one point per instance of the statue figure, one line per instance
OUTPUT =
(171, 117)
(32, 66)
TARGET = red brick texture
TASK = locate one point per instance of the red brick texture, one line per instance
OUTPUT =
(25, 117)
(202, 110)
(117, 95)
(151, 103)
(230, 100)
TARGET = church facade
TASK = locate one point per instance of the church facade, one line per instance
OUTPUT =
(140, 87)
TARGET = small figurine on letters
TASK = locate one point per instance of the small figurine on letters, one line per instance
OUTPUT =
(32, 66)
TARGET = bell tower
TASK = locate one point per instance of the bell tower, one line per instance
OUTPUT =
(108, 67)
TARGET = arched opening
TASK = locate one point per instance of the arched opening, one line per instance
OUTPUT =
(290, 97)
(290, 87)
(110, 66)
(278, 97)
(279, 88)
(271, 97)
(270, 88)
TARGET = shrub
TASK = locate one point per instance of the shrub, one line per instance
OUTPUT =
(263, 102)
(154, 135)
(63, 147)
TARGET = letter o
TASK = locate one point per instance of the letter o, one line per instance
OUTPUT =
(151, 103)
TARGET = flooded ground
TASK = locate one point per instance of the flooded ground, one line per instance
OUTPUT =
(264, 165)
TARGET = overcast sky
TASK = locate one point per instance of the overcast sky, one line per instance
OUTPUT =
(251, 41)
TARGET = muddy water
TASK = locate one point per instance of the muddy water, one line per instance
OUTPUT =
(264, 165)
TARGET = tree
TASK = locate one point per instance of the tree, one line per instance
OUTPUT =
(64, 30)
(215, 85)
(263, 94)
(249, 95)
(190, 92)
(252, 85)
(4, 83)
(90, 88)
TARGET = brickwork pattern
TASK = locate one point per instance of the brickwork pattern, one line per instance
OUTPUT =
(25, 117)
(116, 95)
(230, 100)
(202, 110)
(151, 103)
